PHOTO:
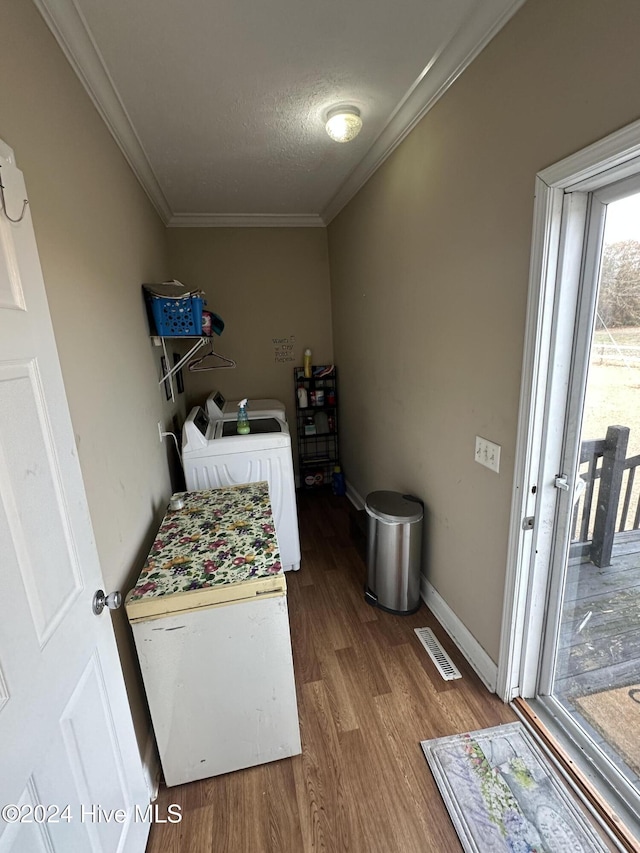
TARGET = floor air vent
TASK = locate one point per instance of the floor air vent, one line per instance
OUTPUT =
(441, 659)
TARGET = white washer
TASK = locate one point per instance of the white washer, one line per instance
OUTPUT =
(214, 455)
(220, 409)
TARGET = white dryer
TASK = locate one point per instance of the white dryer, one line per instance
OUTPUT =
(214, 455)
(220, 409)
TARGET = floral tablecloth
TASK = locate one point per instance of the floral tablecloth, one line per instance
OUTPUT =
(221, 536)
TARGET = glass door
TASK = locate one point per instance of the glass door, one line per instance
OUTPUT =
(590, 663)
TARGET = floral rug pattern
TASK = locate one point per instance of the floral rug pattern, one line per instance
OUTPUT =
(502, 794)
(220, 536)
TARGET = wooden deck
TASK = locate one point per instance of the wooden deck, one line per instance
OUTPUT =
(599, 639)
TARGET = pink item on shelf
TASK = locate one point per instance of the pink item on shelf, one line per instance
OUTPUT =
(207, 323)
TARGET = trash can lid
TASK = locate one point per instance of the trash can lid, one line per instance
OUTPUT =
(392, 506)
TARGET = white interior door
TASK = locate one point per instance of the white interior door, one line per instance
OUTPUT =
(66, 735)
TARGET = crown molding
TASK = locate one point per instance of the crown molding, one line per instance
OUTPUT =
(246, 220)
(72, 34)
(476, 31)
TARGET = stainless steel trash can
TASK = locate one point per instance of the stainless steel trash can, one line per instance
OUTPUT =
(394, 547)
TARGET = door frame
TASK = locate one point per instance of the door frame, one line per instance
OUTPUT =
(539, 443)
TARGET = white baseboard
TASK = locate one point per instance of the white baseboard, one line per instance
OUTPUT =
(486, 669)
(355, 497)
(480, 661)
(151, 767)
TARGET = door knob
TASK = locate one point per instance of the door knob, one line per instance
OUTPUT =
(100, 601)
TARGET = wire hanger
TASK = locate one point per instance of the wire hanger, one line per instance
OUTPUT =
(202, 363)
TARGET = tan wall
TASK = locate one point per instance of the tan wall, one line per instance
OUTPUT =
(98, 239)
(267, 284)
(429, 274)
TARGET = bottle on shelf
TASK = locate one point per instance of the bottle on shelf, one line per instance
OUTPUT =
(243, 427)
(303, 397)
(307, 363)
(337, 482)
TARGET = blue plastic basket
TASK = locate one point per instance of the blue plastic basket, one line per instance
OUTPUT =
(176, 317)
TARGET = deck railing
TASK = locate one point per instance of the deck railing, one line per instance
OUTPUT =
(609, 507)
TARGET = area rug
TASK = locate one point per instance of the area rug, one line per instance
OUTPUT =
(503, 795)
(616, 715)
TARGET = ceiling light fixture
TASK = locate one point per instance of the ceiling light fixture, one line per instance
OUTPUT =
(343, 123)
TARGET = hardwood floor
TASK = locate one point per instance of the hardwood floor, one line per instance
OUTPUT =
(367, 695)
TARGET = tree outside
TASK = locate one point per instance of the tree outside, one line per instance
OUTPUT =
(613, 388)
(619, 301)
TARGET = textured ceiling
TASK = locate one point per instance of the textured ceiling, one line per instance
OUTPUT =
(220, 106)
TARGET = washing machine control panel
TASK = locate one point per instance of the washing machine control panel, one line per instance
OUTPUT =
(215, 404)
(201, 421)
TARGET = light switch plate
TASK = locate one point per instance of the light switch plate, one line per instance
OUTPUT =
(488, 453)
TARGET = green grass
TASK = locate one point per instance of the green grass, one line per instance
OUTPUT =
(628, 336)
